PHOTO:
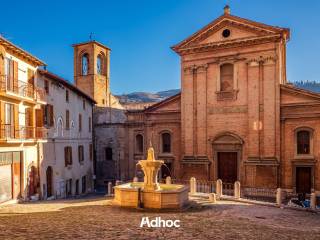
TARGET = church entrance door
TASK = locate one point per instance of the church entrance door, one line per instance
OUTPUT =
(227, 167)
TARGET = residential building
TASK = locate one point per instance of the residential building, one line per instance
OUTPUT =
(22, 133)
(67, 166)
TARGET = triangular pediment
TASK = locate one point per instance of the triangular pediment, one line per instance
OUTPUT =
(293, 95)
(239, 29)
(171, 104)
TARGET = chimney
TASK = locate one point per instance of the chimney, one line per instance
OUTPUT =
(226, 10)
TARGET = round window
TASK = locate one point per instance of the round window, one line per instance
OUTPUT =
(226, 33)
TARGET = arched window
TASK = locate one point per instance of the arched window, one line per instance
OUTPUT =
(85, 64)
(139, 143)
(303, 142)
(99, 64)
(166, 142)
(226, 77)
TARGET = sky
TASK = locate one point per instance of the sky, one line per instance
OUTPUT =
(141, 32)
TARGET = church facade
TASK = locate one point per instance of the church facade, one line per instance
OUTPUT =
(237, 117)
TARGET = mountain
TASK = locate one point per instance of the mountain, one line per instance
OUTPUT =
(308, 85)
(146, 97)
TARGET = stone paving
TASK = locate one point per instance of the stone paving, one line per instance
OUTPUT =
(95, 218)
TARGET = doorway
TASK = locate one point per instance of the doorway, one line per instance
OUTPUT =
(303, 179)
(227, 167)
(49, 182)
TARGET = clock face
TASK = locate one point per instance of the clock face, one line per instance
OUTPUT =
(226, 33)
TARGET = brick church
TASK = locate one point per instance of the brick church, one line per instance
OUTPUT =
(236, 118)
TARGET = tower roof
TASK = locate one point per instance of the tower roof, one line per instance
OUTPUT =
(91, 42)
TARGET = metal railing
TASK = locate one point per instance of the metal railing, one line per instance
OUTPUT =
(21, 88)
(259, 194)
(228, 189)
(9, 131)
(205, 186)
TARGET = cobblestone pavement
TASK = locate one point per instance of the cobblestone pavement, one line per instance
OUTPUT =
(95, 218)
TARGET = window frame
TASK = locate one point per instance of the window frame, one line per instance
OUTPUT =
(162, 143)
(309, 155)
(139, 149)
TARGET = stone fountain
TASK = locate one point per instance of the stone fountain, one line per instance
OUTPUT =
(150, 193)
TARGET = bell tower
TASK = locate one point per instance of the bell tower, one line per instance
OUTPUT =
(92, 71)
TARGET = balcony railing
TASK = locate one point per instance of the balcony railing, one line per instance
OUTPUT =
(9, 132)
(24, 89)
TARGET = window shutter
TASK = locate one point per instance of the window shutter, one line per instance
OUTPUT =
(50, 117)
(31, 76)
(15, 76)
(39, 118)
(2, 118)
(70, 150)
(16, 121)
(2, 55)
(66, 161)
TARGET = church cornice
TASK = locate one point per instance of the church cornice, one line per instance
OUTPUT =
(229, 44)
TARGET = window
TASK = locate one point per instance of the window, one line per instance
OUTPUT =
(90, 151)
(67, 96)
(139, 143)
(68, 156)
(103, 101)
(90, 124)
(80, 154)
(108, 152)
(166, 142)
(67, 120)
(226, 77)
(80, 122)
(46, 86)
(99, 64)
(48, 115)
(85, 64)
(84, 104)
(303, 142)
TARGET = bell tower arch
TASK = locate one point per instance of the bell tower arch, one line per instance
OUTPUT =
(92, 71)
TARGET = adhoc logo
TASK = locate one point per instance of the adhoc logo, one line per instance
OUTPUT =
(158, 223)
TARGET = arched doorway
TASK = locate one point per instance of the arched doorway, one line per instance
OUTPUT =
(227, 151)
(49, 182)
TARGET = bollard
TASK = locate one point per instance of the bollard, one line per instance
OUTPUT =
(219, 188)
(168, 180)
(193, 185)
(109, 188)
(237, 190)
(279, 196)
(213, 197)
(135, 179)
(313, 200)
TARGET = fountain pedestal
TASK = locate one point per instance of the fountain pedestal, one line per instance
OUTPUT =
(153, 194)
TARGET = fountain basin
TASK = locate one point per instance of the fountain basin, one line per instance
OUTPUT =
(168, 196)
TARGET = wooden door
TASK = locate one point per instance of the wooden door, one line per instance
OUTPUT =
(227, 167)
(49, 182)
(303, 179)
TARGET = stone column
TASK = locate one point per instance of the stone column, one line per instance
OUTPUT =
(237, 190)
(213, 197)
(109, 188)
(313, 200)
(219, 188)
(168, 180)
(279, 196)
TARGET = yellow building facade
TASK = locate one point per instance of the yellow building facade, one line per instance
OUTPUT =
(21, 123)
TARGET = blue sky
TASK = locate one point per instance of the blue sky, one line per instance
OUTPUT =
(141, 32)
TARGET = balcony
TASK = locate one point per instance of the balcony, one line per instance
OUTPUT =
(9, 84)
(9, 132)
